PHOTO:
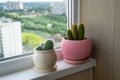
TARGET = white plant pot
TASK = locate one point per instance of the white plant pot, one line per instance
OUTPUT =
(44, 61)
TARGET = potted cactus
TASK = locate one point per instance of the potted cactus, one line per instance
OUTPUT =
(44, 57)
(75, 47)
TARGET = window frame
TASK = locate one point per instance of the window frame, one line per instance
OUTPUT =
(73, 12)
(23, 62)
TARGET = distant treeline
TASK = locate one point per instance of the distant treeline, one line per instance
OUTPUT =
(30, 5)
(4, 14)
(36, 4)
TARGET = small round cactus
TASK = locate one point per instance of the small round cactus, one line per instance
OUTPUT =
(47, 45)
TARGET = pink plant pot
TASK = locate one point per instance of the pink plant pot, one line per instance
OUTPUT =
(76, 50)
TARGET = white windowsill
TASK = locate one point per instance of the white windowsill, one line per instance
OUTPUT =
(63, 69)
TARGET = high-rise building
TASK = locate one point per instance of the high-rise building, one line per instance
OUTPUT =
(10, 37)
(59, 7)
(11, 5)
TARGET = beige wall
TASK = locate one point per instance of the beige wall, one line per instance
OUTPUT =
(83, 75)
(102, 21)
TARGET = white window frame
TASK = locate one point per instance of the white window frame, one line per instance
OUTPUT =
(24, 62)
(73, 12)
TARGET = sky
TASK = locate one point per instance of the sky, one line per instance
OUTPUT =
(31, 0)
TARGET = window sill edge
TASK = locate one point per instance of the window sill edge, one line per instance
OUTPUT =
(63, 69)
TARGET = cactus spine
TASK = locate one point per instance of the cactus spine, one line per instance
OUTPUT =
(81, 32)
(47, 45)
(75, 33)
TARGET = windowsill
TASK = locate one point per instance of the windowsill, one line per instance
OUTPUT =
(63, 69)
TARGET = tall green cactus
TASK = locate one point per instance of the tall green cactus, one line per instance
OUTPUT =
(74, 31)
(47, 45)
(69, 34)
(81, 32)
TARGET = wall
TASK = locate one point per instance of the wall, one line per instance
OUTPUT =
(102, 21)
(83, 75)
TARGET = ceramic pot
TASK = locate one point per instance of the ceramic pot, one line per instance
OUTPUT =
(76, 50)
(44, 61)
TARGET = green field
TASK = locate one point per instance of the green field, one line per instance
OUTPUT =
(39, 23)
(35, 29)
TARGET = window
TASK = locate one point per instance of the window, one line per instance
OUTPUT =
(26, 23)
(10, 64)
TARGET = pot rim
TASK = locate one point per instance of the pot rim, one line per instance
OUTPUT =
(85, 38)
(43, 51)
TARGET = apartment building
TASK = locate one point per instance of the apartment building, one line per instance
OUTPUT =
(59, 7)
(12, 5)
(10, 37)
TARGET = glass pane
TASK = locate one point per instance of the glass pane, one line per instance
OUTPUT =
(26, 23)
